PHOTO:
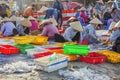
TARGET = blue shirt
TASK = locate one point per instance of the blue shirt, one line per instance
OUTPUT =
(58, 5)
(21, 29)
(91, 30)
(114, 35)
(69, 34)
(7, 28)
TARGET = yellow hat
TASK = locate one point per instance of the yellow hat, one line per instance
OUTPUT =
(100, 1)
(95, 21)
(76, 25)
(112, 25)
(31, 18)
(43, 8)
(82, 9)
(26, 23)
(117, 25)
(72, 19)
(45, 21)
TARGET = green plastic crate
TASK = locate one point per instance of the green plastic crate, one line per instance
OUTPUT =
(76, 49)
(23, 47)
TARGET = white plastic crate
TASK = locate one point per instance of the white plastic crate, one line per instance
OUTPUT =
(31, 52)
(49, 66)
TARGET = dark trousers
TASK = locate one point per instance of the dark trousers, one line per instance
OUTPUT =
(60, 38)
(59, 18)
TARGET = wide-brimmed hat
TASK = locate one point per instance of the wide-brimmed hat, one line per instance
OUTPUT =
(26, 23)
(76, 26)
(82, 9)
(2, 2)
(100, 1)
(53, 21)
(117, 25)
(31, 18)
(110, 1)
(5, 19)
(95, 21)
(46, 21)
(72, 19)
(112, 25)
(13, 18)
(43, 8)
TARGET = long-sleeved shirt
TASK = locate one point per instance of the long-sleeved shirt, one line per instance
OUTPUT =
(69, 34)
(58, 5)
(7, 28)
(90, 29)
(49, 30)
(114, 35)
(116, 16)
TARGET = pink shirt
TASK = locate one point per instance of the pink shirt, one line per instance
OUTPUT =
(34, 25)
(49, 30)
(84, 16)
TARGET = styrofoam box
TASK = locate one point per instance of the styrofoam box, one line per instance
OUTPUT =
(50, 66)
(31, 52)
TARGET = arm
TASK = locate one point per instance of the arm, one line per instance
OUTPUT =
(44, 32)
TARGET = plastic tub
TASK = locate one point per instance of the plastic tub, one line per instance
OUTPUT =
(24, 47)
(40, 40)
(8, 49)
(49, 66)
(76, 49)
(93, 58)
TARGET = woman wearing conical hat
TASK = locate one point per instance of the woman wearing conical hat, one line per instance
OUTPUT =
(109, 4)
(89, 30)
(23, 27)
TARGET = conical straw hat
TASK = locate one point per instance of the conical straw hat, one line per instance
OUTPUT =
(43, 8)
(100, 1)
(13, 18)
(82, 9)
(95, 21)
(2, 2)
(110, 1)
(72, 19)
(45, 21)
(53, 21)
(117, 24)
(26, 23)
(76, 25)
(31, 18)
(6, 19)
(112, 25)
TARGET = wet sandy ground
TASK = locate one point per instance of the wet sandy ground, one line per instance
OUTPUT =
(112, 70)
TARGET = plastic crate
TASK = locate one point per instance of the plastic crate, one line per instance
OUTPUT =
(32, 52)
(24, 47)
(40, 40)
(49, 66)
(112, 57)
(93, 58)
(42, 54)
(76, 49)
(23, 39)
(61, 51)
(8, 49)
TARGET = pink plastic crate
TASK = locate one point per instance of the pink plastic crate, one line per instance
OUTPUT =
(42, 54)
(8, 49)
(93, 58)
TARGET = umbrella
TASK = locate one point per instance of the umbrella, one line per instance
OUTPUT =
(73, 4)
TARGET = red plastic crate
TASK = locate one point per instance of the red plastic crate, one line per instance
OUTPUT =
(93, 58)
(54, 48)
(8, 49)
(43, 54)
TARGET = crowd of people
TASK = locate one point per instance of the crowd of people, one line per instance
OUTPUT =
(86, 21)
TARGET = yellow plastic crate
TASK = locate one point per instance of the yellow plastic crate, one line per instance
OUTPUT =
(23, 39)
(40, 40)
(112, 57)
